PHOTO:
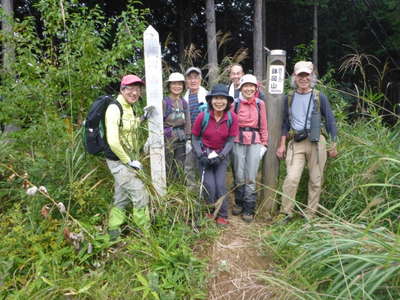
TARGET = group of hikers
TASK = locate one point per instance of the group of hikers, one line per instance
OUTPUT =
(204, 131)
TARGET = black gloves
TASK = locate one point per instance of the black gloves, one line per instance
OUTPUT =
(204, 161)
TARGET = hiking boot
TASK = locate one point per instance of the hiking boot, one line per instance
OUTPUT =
(222, 221)
(114, 234)
(210, 216)
(282, 219)
(237, 210)
(248, 218)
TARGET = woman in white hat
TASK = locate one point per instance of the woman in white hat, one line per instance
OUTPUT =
(249, 146)
(177, 126)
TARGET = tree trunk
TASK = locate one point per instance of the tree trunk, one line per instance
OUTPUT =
(258, 40)
(8, 47)
(264, 44)
(315, 37)
(181, 30)
(189, 23)
(211, 43)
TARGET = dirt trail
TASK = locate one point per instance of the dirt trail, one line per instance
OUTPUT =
(235, 262)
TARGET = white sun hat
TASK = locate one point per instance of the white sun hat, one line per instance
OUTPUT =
(176, 77)
(248, 78)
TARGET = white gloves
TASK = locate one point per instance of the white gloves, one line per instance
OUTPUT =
(146, 147)
(148, 110)
(263, 149)
(135, 164)
(188, 147)
(212, 155)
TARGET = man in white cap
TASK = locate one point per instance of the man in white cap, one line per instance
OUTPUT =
(302, 127)
(196, 98)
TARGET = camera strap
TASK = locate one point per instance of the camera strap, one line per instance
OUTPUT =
(308, 109)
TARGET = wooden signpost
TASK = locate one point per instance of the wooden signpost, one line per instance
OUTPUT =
(154, 95)
(275, 92)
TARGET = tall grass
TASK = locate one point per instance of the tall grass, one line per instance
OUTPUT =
(336, 260)
(364, 180)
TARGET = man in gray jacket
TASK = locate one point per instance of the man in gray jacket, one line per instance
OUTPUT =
(304, 148)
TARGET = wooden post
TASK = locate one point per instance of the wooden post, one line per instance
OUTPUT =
(274, 94)
(154, 96)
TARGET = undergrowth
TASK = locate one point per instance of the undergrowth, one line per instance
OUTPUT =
(350, 251)
(54, 242)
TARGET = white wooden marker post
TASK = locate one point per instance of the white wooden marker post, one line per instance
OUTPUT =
(154, 95)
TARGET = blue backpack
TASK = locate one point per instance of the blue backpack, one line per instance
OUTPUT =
(206, 118)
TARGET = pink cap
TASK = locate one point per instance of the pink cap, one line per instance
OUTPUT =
(131, 79)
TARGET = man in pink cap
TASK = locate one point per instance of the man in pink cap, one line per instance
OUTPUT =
(123, 161)
(303, 110)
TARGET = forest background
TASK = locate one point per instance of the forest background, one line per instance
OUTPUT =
(58, 56)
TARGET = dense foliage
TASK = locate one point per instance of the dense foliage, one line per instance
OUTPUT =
(68, 53)
(76, 55)
(54, 242)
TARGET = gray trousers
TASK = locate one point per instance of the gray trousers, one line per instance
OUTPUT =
(175, 154)
(246, 160)
(215, 186)
(191, 170)
(128, 188)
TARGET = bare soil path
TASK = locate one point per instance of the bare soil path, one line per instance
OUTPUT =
(235, 262)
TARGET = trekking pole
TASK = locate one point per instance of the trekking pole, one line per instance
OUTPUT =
(202, 183)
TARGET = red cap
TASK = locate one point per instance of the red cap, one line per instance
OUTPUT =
(131, 79)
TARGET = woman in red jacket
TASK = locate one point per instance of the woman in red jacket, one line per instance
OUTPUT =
(249, 147)
(213, 133)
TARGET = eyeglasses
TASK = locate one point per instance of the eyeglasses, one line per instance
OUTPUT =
(131, 89)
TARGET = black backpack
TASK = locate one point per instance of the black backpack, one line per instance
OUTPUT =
(94, 133)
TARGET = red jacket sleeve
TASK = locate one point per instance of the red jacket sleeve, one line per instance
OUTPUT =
(263, 124)
(234, 130)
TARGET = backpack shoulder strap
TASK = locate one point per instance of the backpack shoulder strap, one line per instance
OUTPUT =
(290, 98)
(204, 122)
(317, 101)
(121, 111)
(184, 104)
(168, 106)
(236, 104)
(258, 110)
(289, 105)
(229, 119)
